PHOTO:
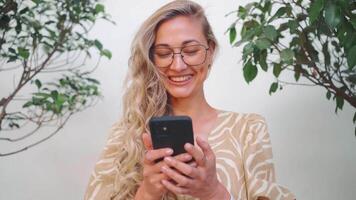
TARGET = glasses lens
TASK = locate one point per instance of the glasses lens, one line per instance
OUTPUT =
(162, 57)
(194, 55)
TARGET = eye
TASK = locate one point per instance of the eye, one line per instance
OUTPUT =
(191, 50)
(163, 53)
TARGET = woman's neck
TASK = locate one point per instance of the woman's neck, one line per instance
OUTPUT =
(195, 106)
(203, 115)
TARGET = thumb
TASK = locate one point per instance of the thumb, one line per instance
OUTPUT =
(147, 142)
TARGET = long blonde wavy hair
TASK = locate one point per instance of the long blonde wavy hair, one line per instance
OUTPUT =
(145, 95)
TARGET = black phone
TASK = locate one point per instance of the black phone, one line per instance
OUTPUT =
(172, 132)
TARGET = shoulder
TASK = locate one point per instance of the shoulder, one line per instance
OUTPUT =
(242, 118)
(245, 126)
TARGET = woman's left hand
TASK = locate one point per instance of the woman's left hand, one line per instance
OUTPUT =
(200, 181)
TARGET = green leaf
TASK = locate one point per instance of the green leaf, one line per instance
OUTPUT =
(328, 95)
(24, 10)
(267, 7)
(98, 44)
(339, 103)
(24, 53)
(315, 9)
(263, 60)
(60, 100)
(297, 72)
(37, 101)
(270, 32)
(249, 71)
(351, 57)
(263, 43)
(326, 54)
(38, 83)
(42, 94)
(287, 55)
(280, 12)
(12, 50)
(27, 104)
(250, 29)
(93, 80)
(13, 124)
(36, 1)
(353, 22)
(273, 88)
(293, 26)
(277, 69)
(232, 34)
(106, 53)
(18, 27)
(332, 15)
(242, 12)
(54, 94)
(99, 8)
(12, 59)
(248, 49)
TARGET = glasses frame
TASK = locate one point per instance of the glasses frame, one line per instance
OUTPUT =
(180, 52)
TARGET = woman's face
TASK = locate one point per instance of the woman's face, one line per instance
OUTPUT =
(182, 77)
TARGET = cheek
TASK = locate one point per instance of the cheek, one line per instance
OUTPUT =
(203, 73)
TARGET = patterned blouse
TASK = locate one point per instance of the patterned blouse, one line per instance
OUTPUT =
(243, 151)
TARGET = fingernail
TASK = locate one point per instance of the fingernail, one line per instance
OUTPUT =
(188, 145)
(163, 169)
(169, 151)
(187, 157)
(168, 159)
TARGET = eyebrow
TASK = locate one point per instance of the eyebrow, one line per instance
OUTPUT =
(183, 43)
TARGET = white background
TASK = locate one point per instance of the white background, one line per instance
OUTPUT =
(314, 149)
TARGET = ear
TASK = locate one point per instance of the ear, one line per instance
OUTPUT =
(212, 46)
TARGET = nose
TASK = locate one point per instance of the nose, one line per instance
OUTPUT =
(178, 64)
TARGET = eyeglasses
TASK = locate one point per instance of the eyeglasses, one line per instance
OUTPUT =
(192, 55)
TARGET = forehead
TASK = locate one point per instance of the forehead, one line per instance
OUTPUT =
(179, 31)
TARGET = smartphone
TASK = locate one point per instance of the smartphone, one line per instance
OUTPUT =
(172, 132)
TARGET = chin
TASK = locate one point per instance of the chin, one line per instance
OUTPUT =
(179, 93)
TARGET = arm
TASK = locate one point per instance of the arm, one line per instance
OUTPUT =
(102, 179)
(103, 184)
(258, 165)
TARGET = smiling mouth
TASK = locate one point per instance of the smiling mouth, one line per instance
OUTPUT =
(180, 79)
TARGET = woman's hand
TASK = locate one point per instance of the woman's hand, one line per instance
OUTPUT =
(201, 181)
(151, 187)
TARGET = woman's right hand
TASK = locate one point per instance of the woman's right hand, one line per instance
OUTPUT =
(151, 187)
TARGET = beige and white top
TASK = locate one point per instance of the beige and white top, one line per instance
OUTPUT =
(243, 151)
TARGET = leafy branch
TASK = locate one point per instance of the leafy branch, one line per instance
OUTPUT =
(40, 37)
(314, 39)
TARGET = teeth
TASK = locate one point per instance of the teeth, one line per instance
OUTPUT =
(180, 78)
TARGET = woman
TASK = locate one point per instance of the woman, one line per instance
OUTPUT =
(171, 56)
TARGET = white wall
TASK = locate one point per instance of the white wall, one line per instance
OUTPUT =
(314, 149)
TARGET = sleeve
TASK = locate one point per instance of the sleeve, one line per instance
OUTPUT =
(101, 182)
(258, 166)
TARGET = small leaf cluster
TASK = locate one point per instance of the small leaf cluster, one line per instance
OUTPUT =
(314, 39)
(28, 27)
(69, 94)
(52, 100)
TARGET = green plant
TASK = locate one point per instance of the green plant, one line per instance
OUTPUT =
(41, 37)
(314, 39)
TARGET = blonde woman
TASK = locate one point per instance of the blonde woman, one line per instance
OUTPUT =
(171, 56)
